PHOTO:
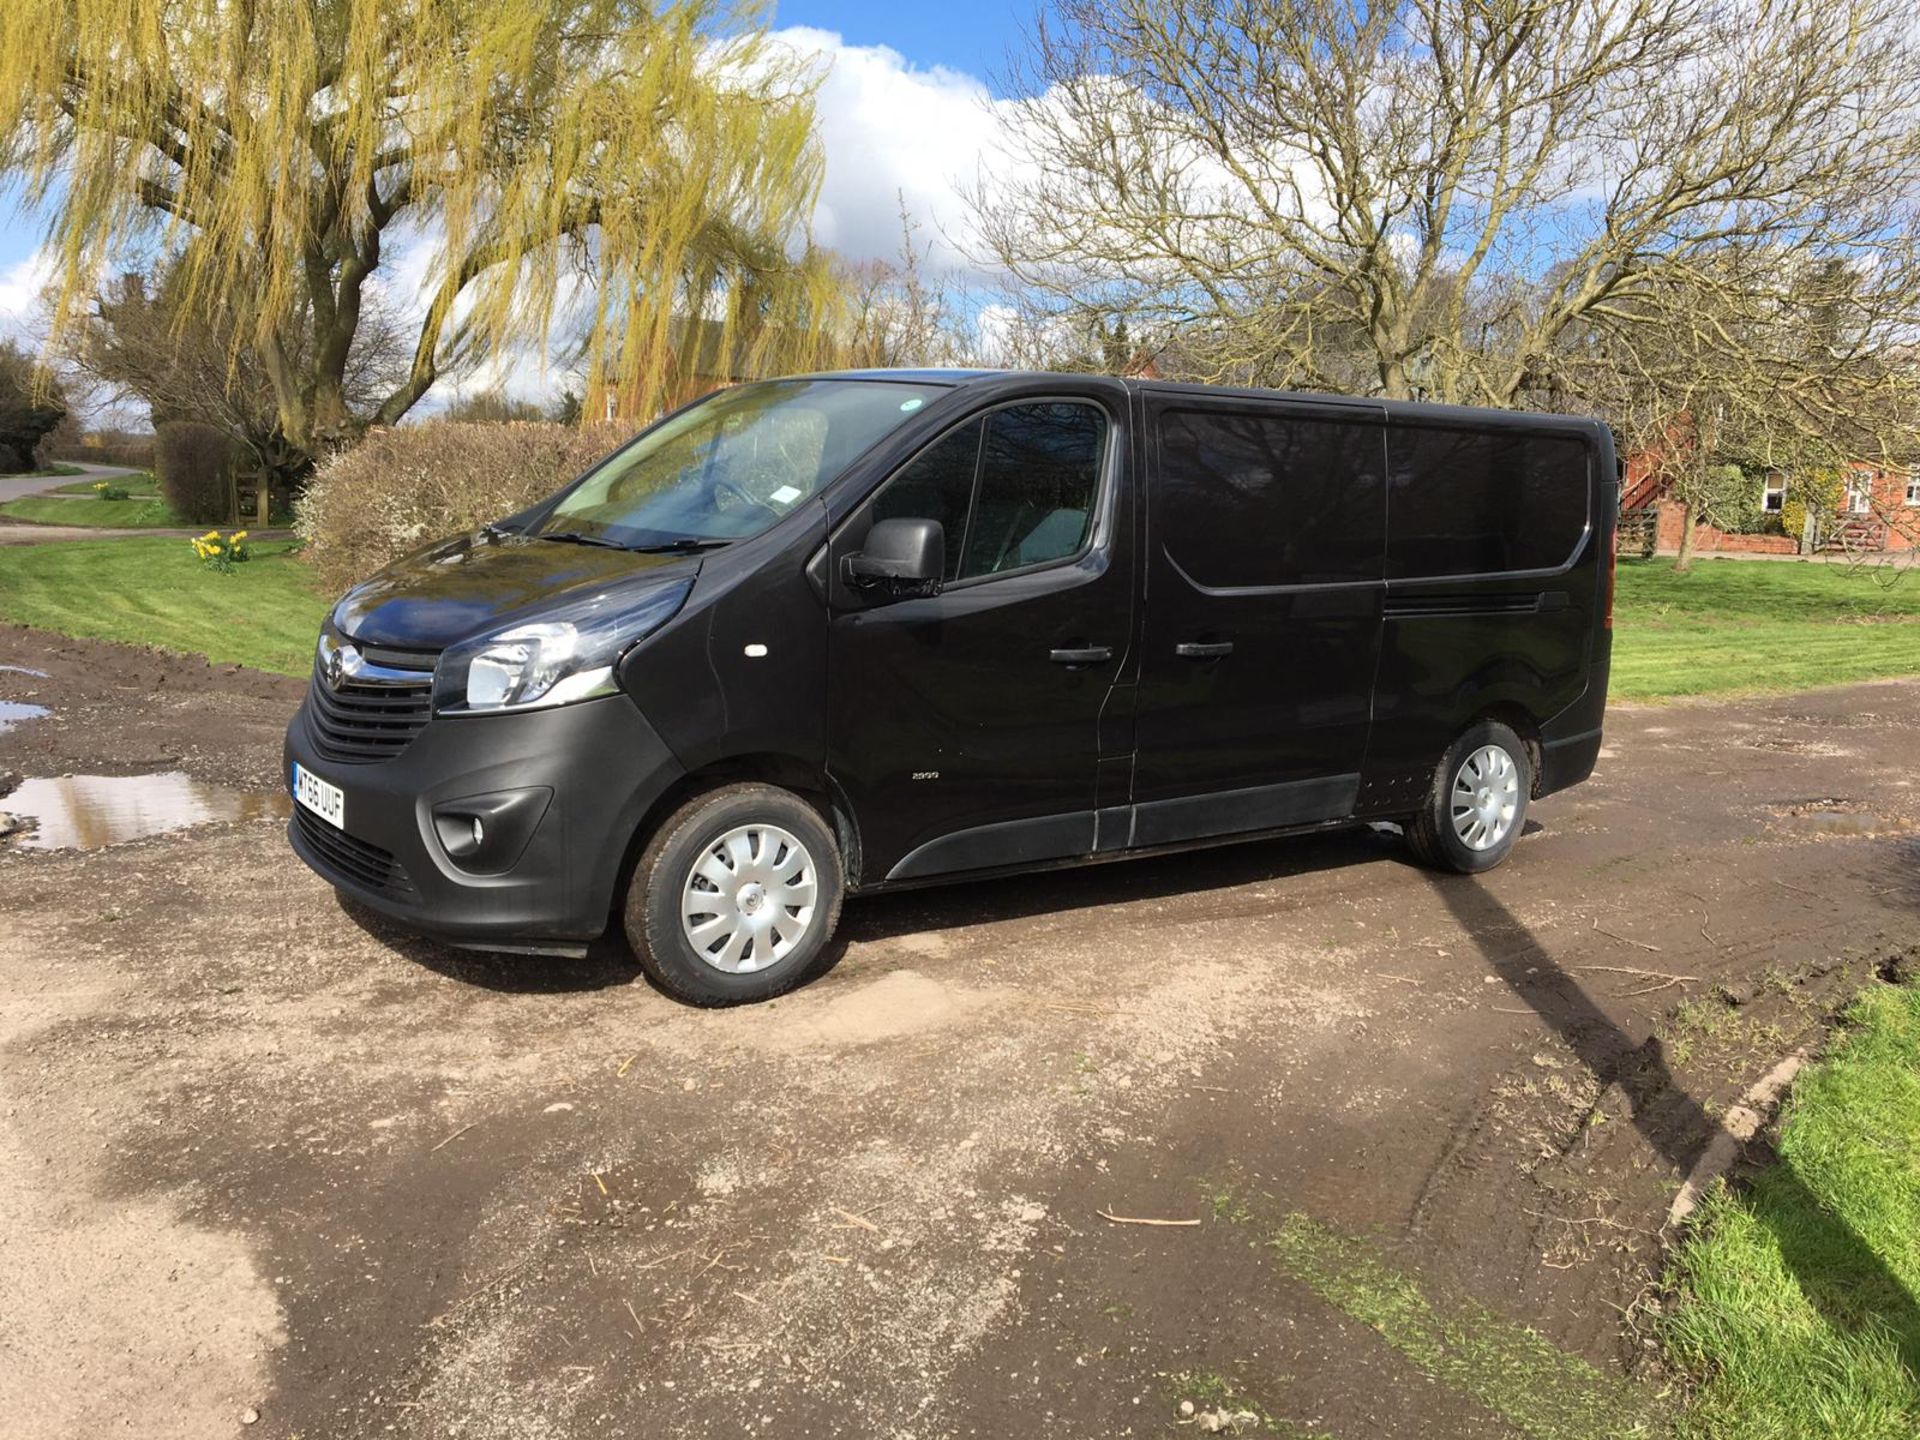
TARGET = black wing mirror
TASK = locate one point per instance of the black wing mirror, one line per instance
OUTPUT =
(901, 557)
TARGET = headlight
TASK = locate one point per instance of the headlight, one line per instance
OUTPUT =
(551, 662)
(533, 664)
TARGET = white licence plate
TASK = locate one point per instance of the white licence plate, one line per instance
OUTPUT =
(329, 802)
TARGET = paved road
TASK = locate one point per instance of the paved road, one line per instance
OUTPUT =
(18, 488)
(257, 1153)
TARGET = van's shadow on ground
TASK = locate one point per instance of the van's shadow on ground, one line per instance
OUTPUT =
(1838, 1272)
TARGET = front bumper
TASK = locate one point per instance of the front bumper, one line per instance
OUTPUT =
(602, 762)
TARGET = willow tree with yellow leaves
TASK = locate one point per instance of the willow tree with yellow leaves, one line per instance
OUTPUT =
(657, 160)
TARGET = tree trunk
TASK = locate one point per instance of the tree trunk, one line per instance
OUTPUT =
(1394, 384)
(1683, 561)
(332, 425)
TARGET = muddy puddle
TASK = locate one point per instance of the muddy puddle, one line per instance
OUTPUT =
(12, 713)
(91, 812)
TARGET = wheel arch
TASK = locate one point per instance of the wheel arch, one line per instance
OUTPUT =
(1521, 721)
(788, 772)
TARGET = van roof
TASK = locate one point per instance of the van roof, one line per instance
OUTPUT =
(1407, 409)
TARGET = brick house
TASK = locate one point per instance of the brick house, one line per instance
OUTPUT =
(1879, 512)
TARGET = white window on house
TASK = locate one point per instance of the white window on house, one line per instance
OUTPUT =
(1859, 491)
(1773, 493)
(1913, 491)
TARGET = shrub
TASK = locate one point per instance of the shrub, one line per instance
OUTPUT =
(403, 488)
(193, 464)
(1793, 517)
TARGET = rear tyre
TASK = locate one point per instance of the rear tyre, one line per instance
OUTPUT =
(1477, 805)
(735, 897)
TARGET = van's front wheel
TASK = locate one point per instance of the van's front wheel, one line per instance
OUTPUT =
(735, 897)
(1478, 803)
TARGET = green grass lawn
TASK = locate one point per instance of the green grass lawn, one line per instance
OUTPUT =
(1729, 627)
(1734, 626)
(136, 513)
(137, 483)
(1796, 1310)
(154, 592)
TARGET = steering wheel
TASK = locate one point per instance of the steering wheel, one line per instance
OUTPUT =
(720, 483)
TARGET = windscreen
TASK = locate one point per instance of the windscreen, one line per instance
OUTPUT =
(735, 463)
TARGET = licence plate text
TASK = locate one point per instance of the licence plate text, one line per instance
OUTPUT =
(329, 802)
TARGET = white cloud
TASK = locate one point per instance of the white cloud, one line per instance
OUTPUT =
(21, 285)
(891, 130)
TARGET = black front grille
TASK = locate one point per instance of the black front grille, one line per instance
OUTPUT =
(351, 859)
(361, 723)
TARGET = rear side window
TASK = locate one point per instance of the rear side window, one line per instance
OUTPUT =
(1246, 499)
(1466, 502)
(1013, 489)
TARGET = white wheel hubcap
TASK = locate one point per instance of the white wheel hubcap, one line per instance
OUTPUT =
(749, 899)
(1486, 797)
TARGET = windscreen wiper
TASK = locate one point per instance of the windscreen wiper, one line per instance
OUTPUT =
(685, 545)
(574, 537)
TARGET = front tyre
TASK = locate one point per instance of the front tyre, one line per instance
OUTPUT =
(1478, 802)
(735, 897)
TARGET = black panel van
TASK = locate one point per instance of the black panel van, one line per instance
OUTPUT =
(840, 633)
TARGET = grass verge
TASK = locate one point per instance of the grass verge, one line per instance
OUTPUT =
(136, 513)
(142, 591)
(52, 471)
(1743, 627)
(139, 482)
(1795, 1309)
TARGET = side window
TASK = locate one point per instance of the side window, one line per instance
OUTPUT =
(1014, 488)
(1038, 480)
(937, 484)
(1245, 498)
(1465, 502)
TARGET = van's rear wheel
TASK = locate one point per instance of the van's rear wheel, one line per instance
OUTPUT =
(1477, 805)
(735, 897)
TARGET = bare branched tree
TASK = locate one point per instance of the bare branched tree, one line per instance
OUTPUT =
(901, 312)
(1453, 199)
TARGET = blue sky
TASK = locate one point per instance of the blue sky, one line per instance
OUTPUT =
(18, 234)
(972, 36)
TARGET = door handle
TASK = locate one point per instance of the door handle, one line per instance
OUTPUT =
(1081, 655)
(1207, 650)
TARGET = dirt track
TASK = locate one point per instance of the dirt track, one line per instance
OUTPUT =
(254, 1156)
